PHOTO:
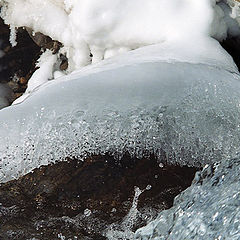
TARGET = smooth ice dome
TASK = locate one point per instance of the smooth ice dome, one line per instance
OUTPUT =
(138, 103)
(162, 98)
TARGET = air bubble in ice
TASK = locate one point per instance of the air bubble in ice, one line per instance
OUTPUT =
(161, 165)
(87, 212)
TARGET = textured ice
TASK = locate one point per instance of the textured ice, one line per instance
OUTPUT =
(189, 111)
(209, 209)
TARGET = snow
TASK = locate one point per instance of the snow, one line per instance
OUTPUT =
(106, 28)
(13, 36)
(45, 73)
(92, 30)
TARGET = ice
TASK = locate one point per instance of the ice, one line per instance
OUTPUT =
(138, 103)
(232, 23)
(124, 230)
(209, 209)
(13, 36)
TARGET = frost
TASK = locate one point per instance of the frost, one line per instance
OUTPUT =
(209, 209)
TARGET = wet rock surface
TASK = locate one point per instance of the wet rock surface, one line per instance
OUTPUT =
(78, 200)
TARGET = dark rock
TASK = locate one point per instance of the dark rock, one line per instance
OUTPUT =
(18, 61)
(232, 46)
(44, 41)
(52, 199)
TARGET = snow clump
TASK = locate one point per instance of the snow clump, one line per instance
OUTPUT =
(102, 29)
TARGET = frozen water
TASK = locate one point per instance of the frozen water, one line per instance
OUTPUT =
(209, 209)
(189, 111)
(124, 230)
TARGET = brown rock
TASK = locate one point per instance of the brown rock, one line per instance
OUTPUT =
(56, 196)
(23, 81)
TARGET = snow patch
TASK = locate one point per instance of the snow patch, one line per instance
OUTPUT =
(43, 74)
(107, 28)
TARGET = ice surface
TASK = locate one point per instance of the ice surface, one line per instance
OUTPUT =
(209, 209)
(128, 104)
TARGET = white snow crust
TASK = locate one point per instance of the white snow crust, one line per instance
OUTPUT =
(43, 74)
(92, 30)
(107, 28)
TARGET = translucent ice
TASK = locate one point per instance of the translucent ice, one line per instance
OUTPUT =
(209, 209)
(136, 103)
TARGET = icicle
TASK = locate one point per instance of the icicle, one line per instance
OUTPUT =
(13, 36)
(235, 8)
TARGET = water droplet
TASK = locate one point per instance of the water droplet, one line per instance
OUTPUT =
(148, 187)
(161, 165)
(87, 212)
(113, 210)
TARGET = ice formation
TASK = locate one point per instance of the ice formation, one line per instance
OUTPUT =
(124, 230)
(139, 103)
(178, 97)
(209, 209)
